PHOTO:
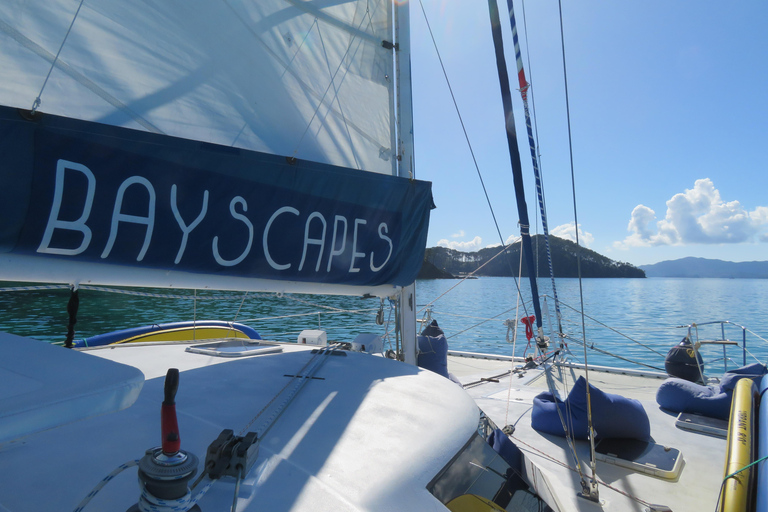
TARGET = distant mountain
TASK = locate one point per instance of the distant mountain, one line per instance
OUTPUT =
(702, 267)
(564, 261)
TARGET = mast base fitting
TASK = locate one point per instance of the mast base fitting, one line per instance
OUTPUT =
(589, 492)
(542, 342)
(167, 476)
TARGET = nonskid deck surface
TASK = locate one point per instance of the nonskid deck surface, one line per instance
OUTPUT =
(508, 400)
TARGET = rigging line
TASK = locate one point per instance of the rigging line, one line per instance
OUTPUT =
(566, 424)
(430, 303)
(443, 313)
(466, 137)
(756, 335)
(605, 352)
(311, 9)
(333, 78)
(514, 338)
(592, 491)
(480, 323)
(331, 308)
(515, 161)
(160, 295)
(304, 86)
(241, 306)
(311, 313)
(557, 461)
(533, 103)
(76, 75)
(352, 146)
(524, 87)
(37, 101)
(616, 331)
(285, 70)
(298, 50)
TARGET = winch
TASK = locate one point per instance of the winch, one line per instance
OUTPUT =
(165, 471)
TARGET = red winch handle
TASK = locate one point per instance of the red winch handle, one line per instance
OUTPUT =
(169, 425)
(528, 321)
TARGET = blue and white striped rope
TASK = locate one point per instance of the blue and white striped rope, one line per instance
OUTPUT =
(147, 502)
(150, 503)
(524, 85)
(105, 481)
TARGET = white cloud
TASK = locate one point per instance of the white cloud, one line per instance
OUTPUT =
(511, 239)
(460, 234)
(473, 245)
(696, 216)
(568, 232)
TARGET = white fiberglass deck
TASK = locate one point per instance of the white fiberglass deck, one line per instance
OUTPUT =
(508, 400)
(328, 450)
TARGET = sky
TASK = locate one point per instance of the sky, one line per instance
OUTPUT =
(668, 116)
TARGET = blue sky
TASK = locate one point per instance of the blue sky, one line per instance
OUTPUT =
(669, 119)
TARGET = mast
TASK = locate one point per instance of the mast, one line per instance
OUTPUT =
(517, 168)
(404, 160)
(524, 86)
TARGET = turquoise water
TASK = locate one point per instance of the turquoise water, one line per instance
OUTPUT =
(648, 311)
(645, 310)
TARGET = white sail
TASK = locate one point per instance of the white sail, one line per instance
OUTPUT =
(285, 77)
(114, 100)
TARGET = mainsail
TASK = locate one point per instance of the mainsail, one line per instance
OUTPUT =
(236, 145)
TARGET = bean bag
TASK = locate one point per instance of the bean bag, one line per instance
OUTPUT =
(508, 450)
(613, 416)
(433, 350)
(714, 401)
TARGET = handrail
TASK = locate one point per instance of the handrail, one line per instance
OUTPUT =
(724, 341)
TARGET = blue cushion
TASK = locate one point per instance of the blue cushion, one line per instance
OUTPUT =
(433, 350)
(613, 416)
(508, 450)
(678, 395)
(730, 378)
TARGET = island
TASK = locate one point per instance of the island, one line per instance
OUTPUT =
(441, 262)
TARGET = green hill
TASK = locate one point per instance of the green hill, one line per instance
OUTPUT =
(564, 261)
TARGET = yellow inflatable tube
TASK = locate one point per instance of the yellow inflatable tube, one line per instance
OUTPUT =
(472, 503)
(735, 491)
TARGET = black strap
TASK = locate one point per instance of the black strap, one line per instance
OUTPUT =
(72, 306)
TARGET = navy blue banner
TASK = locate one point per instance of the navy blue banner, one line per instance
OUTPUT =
(90, 192)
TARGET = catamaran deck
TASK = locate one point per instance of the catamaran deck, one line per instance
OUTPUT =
(508, 399)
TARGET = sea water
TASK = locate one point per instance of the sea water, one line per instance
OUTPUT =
(637, 320)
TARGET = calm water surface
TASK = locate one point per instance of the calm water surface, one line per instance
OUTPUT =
(645, 311)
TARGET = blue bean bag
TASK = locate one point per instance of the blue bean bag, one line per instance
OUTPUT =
(433, 350)
(714, 401)
(613, 416)
(508, 451)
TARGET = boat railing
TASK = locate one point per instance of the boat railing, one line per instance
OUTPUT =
(699, 339)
